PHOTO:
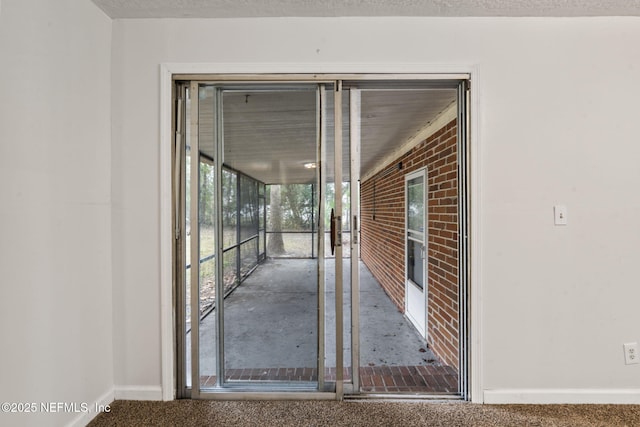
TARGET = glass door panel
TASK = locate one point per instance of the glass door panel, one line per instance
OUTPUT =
(270, 318)
(416, 303)
(415, 231)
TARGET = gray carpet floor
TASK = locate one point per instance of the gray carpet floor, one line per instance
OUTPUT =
(361, 413)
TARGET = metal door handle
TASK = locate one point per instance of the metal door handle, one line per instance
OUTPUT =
(354, 239)
(333, 231)
(336, 231)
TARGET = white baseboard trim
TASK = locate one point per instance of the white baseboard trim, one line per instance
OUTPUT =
(138, 393)
(117, 393)
(623, 396)
(94, 409)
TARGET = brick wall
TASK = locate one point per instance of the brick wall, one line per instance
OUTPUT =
(383, 230)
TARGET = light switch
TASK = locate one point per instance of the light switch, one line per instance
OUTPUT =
(560, 215)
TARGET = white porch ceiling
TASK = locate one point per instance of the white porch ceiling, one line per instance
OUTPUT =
(118, 9)
(272, 135)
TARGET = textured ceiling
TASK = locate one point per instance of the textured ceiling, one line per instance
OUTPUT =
(314, 8)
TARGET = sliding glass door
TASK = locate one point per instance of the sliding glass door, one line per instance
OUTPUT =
(252, 163)
(288, 195)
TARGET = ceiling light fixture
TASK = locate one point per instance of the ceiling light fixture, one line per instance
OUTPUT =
(310, 165)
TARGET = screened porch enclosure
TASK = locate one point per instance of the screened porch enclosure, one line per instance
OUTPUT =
(260, 221)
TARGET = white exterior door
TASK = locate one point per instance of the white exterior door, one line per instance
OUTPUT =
(416, 250)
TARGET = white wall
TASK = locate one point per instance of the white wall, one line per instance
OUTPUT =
(559, 123)
(55, 216)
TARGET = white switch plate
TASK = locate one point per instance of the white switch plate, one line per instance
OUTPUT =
(631, 356)
(560, 215)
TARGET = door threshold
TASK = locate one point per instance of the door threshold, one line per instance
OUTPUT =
(267, 386)
(398, 397)
(265, 395)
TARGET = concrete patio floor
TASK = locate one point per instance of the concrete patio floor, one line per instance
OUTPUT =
(271, 325)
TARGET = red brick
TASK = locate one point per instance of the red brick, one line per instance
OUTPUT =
(383, 238)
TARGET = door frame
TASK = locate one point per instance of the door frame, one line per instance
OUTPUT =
(287, 71)
(422, 172)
